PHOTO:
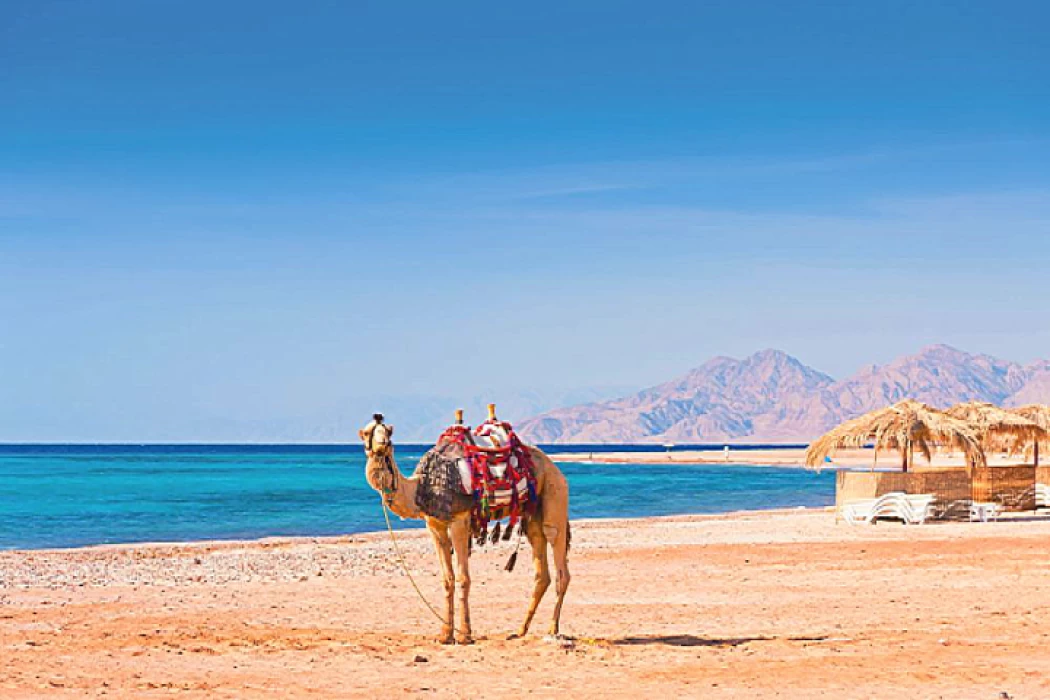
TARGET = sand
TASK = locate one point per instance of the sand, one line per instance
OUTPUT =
(784, 604)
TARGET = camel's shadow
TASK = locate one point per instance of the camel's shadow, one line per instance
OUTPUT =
(686, 640)
(691, 640)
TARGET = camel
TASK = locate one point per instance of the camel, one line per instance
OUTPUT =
(548, 525)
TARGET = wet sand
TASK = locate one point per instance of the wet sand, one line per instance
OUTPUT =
(781, 604)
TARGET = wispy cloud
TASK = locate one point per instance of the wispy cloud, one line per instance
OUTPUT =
(644, 176)
(571, 191)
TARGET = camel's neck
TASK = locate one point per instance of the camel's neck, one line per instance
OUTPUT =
(398, 491)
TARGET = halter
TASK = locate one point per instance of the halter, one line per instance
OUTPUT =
(387, 462)
(388, 492)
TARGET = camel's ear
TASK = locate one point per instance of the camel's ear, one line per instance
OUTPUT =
(361, 433)
(389, 431)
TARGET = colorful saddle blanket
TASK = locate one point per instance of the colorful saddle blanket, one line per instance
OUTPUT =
(496, 470)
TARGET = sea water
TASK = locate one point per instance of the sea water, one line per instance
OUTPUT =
(69, 495)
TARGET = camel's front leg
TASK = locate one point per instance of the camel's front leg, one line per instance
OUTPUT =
(443, 547)
(460, 532)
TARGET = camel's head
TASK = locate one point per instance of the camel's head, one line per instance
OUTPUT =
(378, 437)
(379, 448)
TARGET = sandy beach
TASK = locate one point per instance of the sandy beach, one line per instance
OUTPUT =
(778, 604)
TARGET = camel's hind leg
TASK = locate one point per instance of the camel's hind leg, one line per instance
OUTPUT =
(538, 542)
(558, 535)
(556, 531)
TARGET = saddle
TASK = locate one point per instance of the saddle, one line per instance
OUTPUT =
(489, 466)
(493, 440)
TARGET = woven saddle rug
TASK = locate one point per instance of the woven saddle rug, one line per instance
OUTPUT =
(487, 471)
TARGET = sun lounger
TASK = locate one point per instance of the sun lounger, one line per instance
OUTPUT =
(912, 509)
(983, 512)
(1042, 496)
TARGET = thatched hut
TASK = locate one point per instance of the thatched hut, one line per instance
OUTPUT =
(997, 427)
(904, 427)
(1040, 415)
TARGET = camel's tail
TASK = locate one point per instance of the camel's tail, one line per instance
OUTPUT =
(514, 555)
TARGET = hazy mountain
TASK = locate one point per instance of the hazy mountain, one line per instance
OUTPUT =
(417, 419)
(1036, 388)
(771, 396)
(723, 397)
(938, 375)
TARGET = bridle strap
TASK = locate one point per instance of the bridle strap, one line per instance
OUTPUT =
(388, 462)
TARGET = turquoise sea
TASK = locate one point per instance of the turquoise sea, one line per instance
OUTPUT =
(69, 495)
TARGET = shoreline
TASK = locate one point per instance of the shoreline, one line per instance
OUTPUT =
(279, 541)
(784, 457)
(736, 460)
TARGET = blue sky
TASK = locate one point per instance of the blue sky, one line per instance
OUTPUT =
(255, 211)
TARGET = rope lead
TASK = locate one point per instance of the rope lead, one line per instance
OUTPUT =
(404, 567)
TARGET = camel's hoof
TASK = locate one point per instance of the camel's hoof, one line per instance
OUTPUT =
(516, 635)
(464, 639)
(446, 638)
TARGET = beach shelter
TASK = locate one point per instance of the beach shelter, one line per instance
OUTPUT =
(903, 427)
(998, 428)
(1039, 414)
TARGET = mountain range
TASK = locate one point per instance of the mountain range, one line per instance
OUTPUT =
(772, 397)
(418, 419)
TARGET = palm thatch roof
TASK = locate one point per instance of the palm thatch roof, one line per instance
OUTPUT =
(905, 427)
(1040, 415)
(996, 426)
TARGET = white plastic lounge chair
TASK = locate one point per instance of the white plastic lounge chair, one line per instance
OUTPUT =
(856, 512)
(983, 512)
(1042, 496)
(912, 509)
